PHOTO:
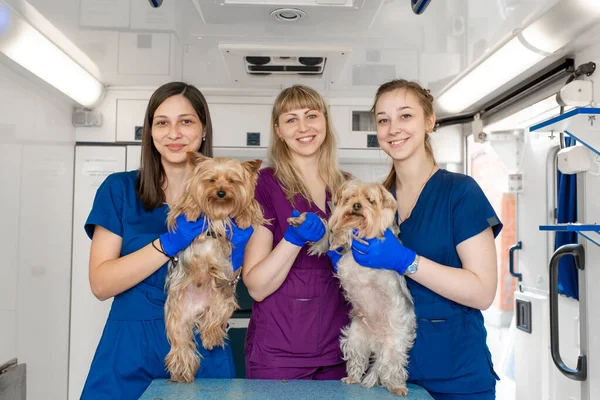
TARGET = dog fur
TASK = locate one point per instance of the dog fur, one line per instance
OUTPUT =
(201, 286)
(382, 331)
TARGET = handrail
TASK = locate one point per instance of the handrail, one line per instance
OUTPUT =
(511, 261)
(580, 373)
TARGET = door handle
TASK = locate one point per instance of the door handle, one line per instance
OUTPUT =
(511, 260)
(576, 250)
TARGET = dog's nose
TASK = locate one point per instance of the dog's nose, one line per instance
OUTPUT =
(221, 194)
(357, 206)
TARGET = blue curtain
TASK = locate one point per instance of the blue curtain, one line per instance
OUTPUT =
(568, 283)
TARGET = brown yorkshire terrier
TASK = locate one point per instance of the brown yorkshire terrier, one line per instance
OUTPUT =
(376, 343)
(201, 286)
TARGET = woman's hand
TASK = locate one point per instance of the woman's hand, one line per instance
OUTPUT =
(182, 235)
(239, 239)
(386, 253)
(335, 256)
(311, 230)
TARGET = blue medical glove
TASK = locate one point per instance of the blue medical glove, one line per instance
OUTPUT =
(335, 256)
(182, 235)
(383, 254)
(311, 230)
(239, 239)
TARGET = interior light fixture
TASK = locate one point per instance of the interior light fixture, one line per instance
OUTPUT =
(558, 26)
(288, 14)
(26, 46)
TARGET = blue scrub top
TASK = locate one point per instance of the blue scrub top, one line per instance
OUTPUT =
(134, 344)
(450, 354)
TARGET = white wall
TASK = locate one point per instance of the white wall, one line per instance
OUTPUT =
(36, 177)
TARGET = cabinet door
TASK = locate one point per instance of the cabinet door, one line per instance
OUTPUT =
(88, 315)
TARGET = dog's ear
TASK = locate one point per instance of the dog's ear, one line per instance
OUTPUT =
(195, 158)
(337, 195)
(388, 200)
(252, 166)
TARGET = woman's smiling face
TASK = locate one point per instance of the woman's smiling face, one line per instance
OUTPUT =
(401, 123)
(176, 129)
(303, 130)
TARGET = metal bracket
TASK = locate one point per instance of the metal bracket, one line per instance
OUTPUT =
(509, 145)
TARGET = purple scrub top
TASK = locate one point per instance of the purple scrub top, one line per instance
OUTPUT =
(299, 324)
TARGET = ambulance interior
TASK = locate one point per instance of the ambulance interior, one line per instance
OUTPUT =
(514, 88)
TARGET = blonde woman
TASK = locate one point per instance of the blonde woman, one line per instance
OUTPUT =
(299, 308)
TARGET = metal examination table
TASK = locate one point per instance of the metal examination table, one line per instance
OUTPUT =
(248, 389)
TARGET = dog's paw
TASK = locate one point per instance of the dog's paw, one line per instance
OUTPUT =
(350, 380)
(297, 221)
(399, 391)
(370, 380)
(359, 239)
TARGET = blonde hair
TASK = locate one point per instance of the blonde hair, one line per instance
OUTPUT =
(425, 99)
(280, 156)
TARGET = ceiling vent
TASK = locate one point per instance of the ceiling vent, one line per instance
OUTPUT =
(249, 63)
(285, 65)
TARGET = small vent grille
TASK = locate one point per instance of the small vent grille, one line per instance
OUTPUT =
(372, 141)
(252, 138)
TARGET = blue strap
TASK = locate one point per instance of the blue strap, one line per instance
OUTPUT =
(568, 283)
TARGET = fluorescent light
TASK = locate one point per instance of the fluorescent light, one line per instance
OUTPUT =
(558, 26)
(561, 24)
(23, 44)
(500, 67)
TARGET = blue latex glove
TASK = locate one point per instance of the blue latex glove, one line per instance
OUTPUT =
(182, 235)
(311, 230)
(383, 254)
(239, 239)
(335, 256)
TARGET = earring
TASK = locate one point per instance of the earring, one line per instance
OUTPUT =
(203, 138)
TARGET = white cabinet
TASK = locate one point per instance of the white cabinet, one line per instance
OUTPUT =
(130, 115)
(233, 122)
(354, 127)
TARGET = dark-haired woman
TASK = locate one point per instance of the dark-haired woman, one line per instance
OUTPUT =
(131, 247)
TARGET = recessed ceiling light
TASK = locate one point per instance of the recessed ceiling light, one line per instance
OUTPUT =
(288, 14)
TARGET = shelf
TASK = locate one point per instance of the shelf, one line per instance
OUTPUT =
(577, 123)
(575, 227)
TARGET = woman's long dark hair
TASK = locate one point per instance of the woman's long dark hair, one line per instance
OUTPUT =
(152, 174)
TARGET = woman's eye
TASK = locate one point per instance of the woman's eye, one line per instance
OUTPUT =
(160, 123)
(405, 116)
(382, 121)
(187, 121)
(312, 116)
(291, 120)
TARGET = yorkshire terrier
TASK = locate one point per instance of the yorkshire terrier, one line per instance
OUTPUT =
(201, 285)
(375, 345)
